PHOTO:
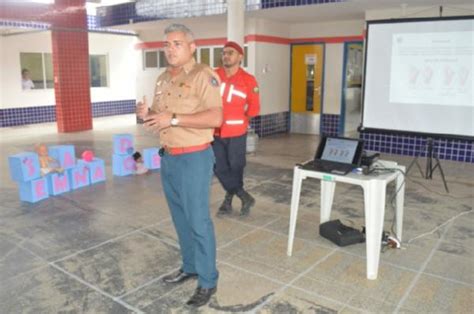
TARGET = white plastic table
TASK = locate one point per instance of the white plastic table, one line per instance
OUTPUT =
(374, 188)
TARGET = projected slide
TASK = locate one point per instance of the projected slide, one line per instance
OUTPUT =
(419, 76)
(433, 68)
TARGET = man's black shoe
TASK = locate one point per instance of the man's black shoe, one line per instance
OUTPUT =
(201, 296)
(178, 276)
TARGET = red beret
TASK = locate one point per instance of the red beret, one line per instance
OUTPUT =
(236, 46)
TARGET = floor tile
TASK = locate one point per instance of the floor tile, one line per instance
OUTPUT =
(264, 252)
(123, 265)
(49, 290)
(343, 277)
(293, 300)
(15, 260)
(441, 264)
(435, 295)
(60, 227)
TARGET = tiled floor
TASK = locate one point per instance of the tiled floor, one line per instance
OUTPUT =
(104, 248)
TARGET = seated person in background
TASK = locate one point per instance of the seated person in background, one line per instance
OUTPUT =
(26, 82)
(47, 164)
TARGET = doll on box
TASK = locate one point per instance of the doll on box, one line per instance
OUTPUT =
(47, 163)
(139, 165)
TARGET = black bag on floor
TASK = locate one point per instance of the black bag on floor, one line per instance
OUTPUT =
(340, 234)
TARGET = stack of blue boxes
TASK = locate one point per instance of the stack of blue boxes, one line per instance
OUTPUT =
(25, 170)
(123, 163)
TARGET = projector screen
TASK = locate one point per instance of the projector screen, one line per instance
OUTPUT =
(419, 76)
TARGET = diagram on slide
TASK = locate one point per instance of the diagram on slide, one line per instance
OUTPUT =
(432, 68)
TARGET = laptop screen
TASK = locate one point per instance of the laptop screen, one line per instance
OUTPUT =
(340, 149)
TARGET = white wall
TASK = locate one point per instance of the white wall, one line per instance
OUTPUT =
(13, 95)
(271, 28)
(327, 29)
(333, 78)
(121, 53)
(272, 67)
(273, 76)
(119, 49)
(202, 27)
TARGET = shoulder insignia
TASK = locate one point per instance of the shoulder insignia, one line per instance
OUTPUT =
(214, 81)
(256, 90)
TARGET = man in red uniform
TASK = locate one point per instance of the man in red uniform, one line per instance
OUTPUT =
(240, 98)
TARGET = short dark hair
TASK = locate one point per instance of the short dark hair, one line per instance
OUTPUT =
(137, 156)
(23, 71)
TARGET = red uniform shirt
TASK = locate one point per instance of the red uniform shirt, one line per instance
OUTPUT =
(241, 101)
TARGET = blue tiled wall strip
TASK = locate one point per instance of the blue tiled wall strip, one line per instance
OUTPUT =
(267, 4)
(92, 25)
(30, 115)
(330, 124)
(24, 24)
(112, 108)
(149, 10)
(274, 123)
(412, 145)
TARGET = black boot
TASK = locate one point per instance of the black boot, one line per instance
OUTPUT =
(247, 202)
(226, 206)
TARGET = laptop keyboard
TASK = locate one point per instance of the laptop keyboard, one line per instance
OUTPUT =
(331, 167)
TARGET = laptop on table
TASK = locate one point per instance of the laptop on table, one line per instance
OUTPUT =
(336, 155)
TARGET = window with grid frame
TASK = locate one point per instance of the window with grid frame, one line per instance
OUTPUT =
(210, 55)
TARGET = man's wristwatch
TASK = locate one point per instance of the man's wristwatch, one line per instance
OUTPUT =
(174, 120)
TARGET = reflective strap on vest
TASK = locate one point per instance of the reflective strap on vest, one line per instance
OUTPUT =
(235, 92)
(233, 122)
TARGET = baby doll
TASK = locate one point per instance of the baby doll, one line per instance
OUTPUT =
(139, 166)
(47, 164)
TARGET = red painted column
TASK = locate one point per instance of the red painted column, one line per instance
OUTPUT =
(71, 65)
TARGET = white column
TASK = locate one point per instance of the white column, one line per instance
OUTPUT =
(236, 21)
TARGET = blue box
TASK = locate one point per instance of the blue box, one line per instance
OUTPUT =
(96, 169)
(151, 158)
(34, 190)
(123, 144)
(123, 165)
(79, 176)
(64, 154)
(24, 166)
(58, 183)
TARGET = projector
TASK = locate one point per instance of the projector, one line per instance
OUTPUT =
(368, 158)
